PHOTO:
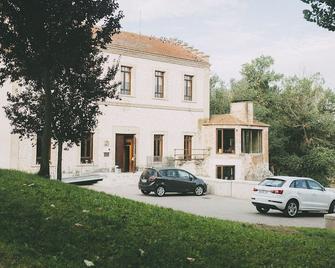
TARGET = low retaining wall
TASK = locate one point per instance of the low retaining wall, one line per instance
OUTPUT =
(236, 189)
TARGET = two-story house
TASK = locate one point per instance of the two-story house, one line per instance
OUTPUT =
(162, 119)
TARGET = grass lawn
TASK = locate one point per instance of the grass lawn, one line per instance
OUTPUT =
(50, 224)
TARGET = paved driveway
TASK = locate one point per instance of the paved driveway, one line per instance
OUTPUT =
(207, 205)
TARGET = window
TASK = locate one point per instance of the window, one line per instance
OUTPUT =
(313, 185)
(39, 150)
(188, 87)
(125, 80)
(187, 147)
(159, 84)
(272, 182)
(86, 150)
(251, 141)
(183, 175)
(158, 148)
(168, 173)
(301, 184)
(225, 172)
(225, 141)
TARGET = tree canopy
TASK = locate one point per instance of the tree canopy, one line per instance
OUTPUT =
(321, 12)
(301, 115)
(52, 49)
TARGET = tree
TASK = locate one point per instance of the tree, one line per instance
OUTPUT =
(219, 96)
(43, 43)
(322, 13)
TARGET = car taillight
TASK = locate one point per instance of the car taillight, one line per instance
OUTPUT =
(255, 189)
(277, 191)
(152, 178)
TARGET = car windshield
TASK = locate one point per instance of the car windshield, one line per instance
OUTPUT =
(271, 182)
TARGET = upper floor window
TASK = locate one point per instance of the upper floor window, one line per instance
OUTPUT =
(159, 84)
(225, 141)
(188, 87)
(86, 150)
(158, 148)
(125, 80)
(251, 141)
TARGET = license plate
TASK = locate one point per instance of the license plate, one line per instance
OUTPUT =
(263, 191)
(144, 180)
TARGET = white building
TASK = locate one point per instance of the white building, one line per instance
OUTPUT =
(161, 119)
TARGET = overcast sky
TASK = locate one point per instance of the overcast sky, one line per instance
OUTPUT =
(232, 32)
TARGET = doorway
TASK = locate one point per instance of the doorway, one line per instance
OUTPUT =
(125, 152)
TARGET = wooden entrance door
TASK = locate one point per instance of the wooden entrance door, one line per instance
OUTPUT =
(125, 155)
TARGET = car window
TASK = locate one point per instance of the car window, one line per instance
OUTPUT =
(314, 185)
(301, 184)
(168, 173)
(148, 172)
(271, 182)
(183, 175)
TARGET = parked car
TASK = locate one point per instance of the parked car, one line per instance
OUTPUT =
(165, 180)
(291, 195)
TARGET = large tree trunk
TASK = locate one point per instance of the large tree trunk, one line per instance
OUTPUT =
(46, 134)
(59, 160)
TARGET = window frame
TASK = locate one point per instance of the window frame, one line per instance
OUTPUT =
(159, 87)
(248, 148)
(188, 147)
(222, 141)
(222, 172)
(158, 147)
(86, 149)
(188, 87)
(126, 70)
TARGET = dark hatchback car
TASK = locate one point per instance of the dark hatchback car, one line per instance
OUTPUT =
(165, 180)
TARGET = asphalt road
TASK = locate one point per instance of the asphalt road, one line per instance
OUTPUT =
(208, 205)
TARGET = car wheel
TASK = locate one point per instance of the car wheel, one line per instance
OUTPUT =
(292, 208)
(262, 210)
(199, 190)
(332, 208)
(160, 191)
(145, 192)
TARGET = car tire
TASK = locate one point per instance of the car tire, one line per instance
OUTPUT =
(145, 192)
(262, 210)
(332, 208)
(199, 190)
(160, 191)
(292, 208)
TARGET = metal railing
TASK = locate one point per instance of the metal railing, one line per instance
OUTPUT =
(187, 155)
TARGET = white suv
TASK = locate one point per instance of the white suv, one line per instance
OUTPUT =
(291, 195)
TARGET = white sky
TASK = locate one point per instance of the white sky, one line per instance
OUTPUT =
(233, 32)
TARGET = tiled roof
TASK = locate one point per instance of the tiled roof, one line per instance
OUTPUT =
(157, 46)
(228, 119)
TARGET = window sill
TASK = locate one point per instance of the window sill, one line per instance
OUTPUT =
(160, 99)
(189, 101)
(126, 96)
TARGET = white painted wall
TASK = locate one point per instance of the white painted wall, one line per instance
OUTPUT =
(5, 137)
(141, 114)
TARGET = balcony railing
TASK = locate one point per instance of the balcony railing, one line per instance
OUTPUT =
(187, 155)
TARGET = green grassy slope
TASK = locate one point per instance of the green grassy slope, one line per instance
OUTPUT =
(50, 224)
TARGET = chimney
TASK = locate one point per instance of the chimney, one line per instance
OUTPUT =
(243, 110)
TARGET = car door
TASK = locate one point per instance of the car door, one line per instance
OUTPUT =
(300, 190)
(167, 179)
(320, 199)
(184, 182)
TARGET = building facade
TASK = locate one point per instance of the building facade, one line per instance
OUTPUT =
(162, 118)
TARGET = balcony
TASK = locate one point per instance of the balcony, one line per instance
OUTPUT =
(187, 155)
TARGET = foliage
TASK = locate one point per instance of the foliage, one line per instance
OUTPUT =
(53, 49)
(50, 224)
(219, 95)
(322, 12)
(301, 115)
